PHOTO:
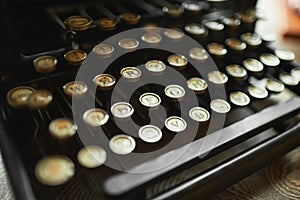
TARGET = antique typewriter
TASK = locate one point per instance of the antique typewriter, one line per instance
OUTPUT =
(141, 99)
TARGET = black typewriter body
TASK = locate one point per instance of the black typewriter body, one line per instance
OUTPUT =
(244, 138)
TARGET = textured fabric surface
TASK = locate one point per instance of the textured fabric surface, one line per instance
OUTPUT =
(5, 191)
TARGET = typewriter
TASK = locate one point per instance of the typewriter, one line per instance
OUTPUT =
(141, 99)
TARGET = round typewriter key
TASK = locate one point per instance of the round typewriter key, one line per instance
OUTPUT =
(45, 64)
(269, 59)
(54, 170)
(239, 98)
(269, 37)
(103, 50)
(217, 77)
(122, 144)
(296, 73)
(75, 88)
(220, 106)
(173, 10)
(150, 99)
(192, 6)
(252, 39)
(175, 124)
(197, 84)
(128, 44)
(199, 114)
(195, 29)
(236, 71)
(95, 117)
(130, 18)
(19, 96)
(104, 81)
(216, 49)
(78, 23)
(258, 92)
(91, 156)
(274, 85)
(246, 17)
(155, 66)
(230, 21)
(40, 99)
(131, 73)
(106, 24)
(198, 54)
(62, 128)
(75, 57)
(213, 25)
(285, 54)
(177, 60)
(151, 38)
(150, 133)
(235, 44)
(174, 34)
(122, 110)
(288, 79)
(253, 65)
(174, 91)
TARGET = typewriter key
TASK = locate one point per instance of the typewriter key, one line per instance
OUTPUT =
(217, 77)
(213, 25)
(40, 99)
(122, 110)
(258, 92)
(198, 54)
(128, 44)
(199, 114)
(19, 96)
(175, 124)
(216, 49)
(239, 98)
(252, 39)
(130, 18)
(45, 64)
(296, 73)
(177, 60)
(230, 21)
(151, 38)
(91, 156)
(106, 24)
(236, 71)
(150, 99)
(199, 85)
(246, 17)
(103, 50)
(235, 44)
(285, 54)
(104, 81)
(269, 37)
(62, 128)
(175, 34)
(122, 144)
(131, 73)
(95, 117)
(155, 66)
(195, 29)
(54, 170)
(75, 57)
(269, 59)
(75, 88)
(174, 91)
(220, 106)
(288, 79)
(274, 85)
(78, 23)
(192, 6)
(173, 10)
(253, 65)
(150, 133)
